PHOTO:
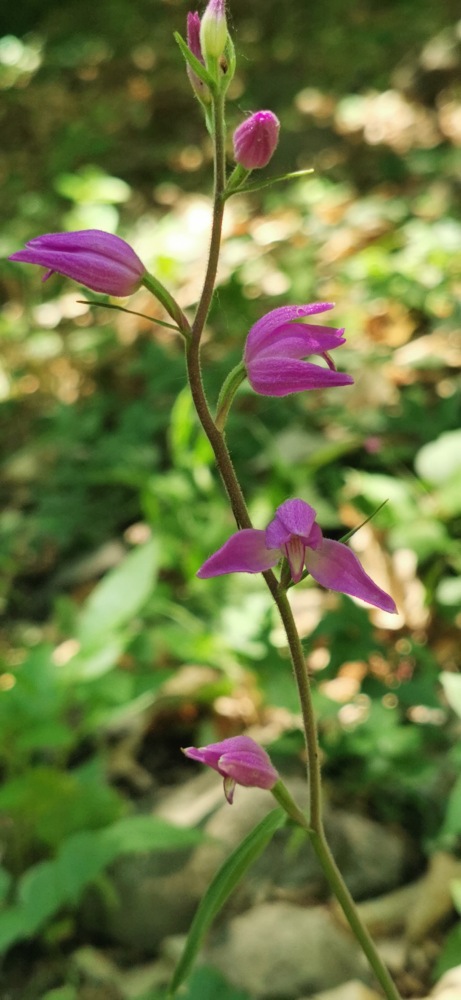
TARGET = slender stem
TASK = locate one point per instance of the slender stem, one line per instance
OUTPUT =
(224, 463)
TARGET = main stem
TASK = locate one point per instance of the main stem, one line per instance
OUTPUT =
(224, 463)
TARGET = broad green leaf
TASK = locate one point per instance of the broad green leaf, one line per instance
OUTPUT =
(13, 927)
(5, 883)
(148, 833)
(208, 984)
(440, 459)
(456, 894)
(40, 893)
(451, 684)
(452, 823)
(120, 595)
(221, 887)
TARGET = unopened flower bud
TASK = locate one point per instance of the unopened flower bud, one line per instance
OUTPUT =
(193, 40)
(256, 139)
(101, 261)
(213, 30)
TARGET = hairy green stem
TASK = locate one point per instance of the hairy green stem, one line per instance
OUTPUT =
(313, 825)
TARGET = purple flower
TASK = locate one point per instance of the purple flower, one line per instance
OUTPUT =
(256, 139)
(213, 30)
(294, 534)
(101, 261)
(276, 344)
(240, 761)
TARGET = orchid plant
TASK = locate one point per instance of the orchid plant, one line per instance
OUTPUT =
(274, 362)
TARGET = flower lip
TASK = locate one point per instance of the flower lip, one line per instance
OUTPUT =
(101, 261)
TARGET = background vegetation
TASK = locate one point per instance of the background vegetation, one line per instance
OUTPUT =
(109, 497)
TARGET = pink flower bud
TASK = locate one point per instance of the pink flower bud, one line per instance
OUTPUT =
(240, 761)
(193, 40)
(256, 139)
(101, 261)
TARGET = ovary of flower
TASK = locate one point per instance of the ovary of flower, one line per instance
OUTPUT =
(295, 535)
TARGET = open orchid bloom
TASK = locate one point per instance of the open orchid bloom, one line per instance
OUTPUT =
(240, 761)
(295, 535)
(276, 345)
(101, 261)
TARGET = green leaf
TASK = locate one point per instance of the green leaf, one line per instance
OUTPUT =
(194, 63)
(440, 459)
(120, 595)
(207, 984)
(451, 684)
(221, 887)
(452, 823)
(456, 893)
(449, 956)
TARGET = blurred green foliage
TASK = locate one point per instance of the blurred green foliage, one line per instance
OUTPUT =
(109, 497)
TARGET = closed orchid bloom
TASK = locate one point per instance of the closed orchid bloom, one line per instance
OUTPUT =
(101, 261)
(276, 344)
(193, 41)
(255, 140)
(295, 535)
(240, 761)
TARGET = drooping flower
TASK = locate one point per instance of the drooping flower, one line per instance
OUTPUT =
(276, 345)
(256, 139)
(295, 535)
(240, 761)
(101, 261)
(213, 30)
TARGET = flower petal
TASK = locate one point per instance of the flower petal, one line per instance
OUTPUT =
(296, 340)
(244, 552)
(281, 376)
(252, 769)
(293, 517)
(335, 566)
(284, 314)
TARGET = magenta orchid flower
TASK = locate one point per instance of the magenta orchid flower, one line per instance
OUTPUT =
(276, 344)
(101, 261)
(256, 139)
(294, 534)
(240, 761)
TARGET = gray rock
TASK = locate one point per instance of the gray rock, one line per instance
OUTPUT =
(282, 951)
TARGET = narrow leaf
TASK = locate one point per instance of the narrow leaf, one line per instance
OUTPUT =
(221, 887)
(194, 63)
